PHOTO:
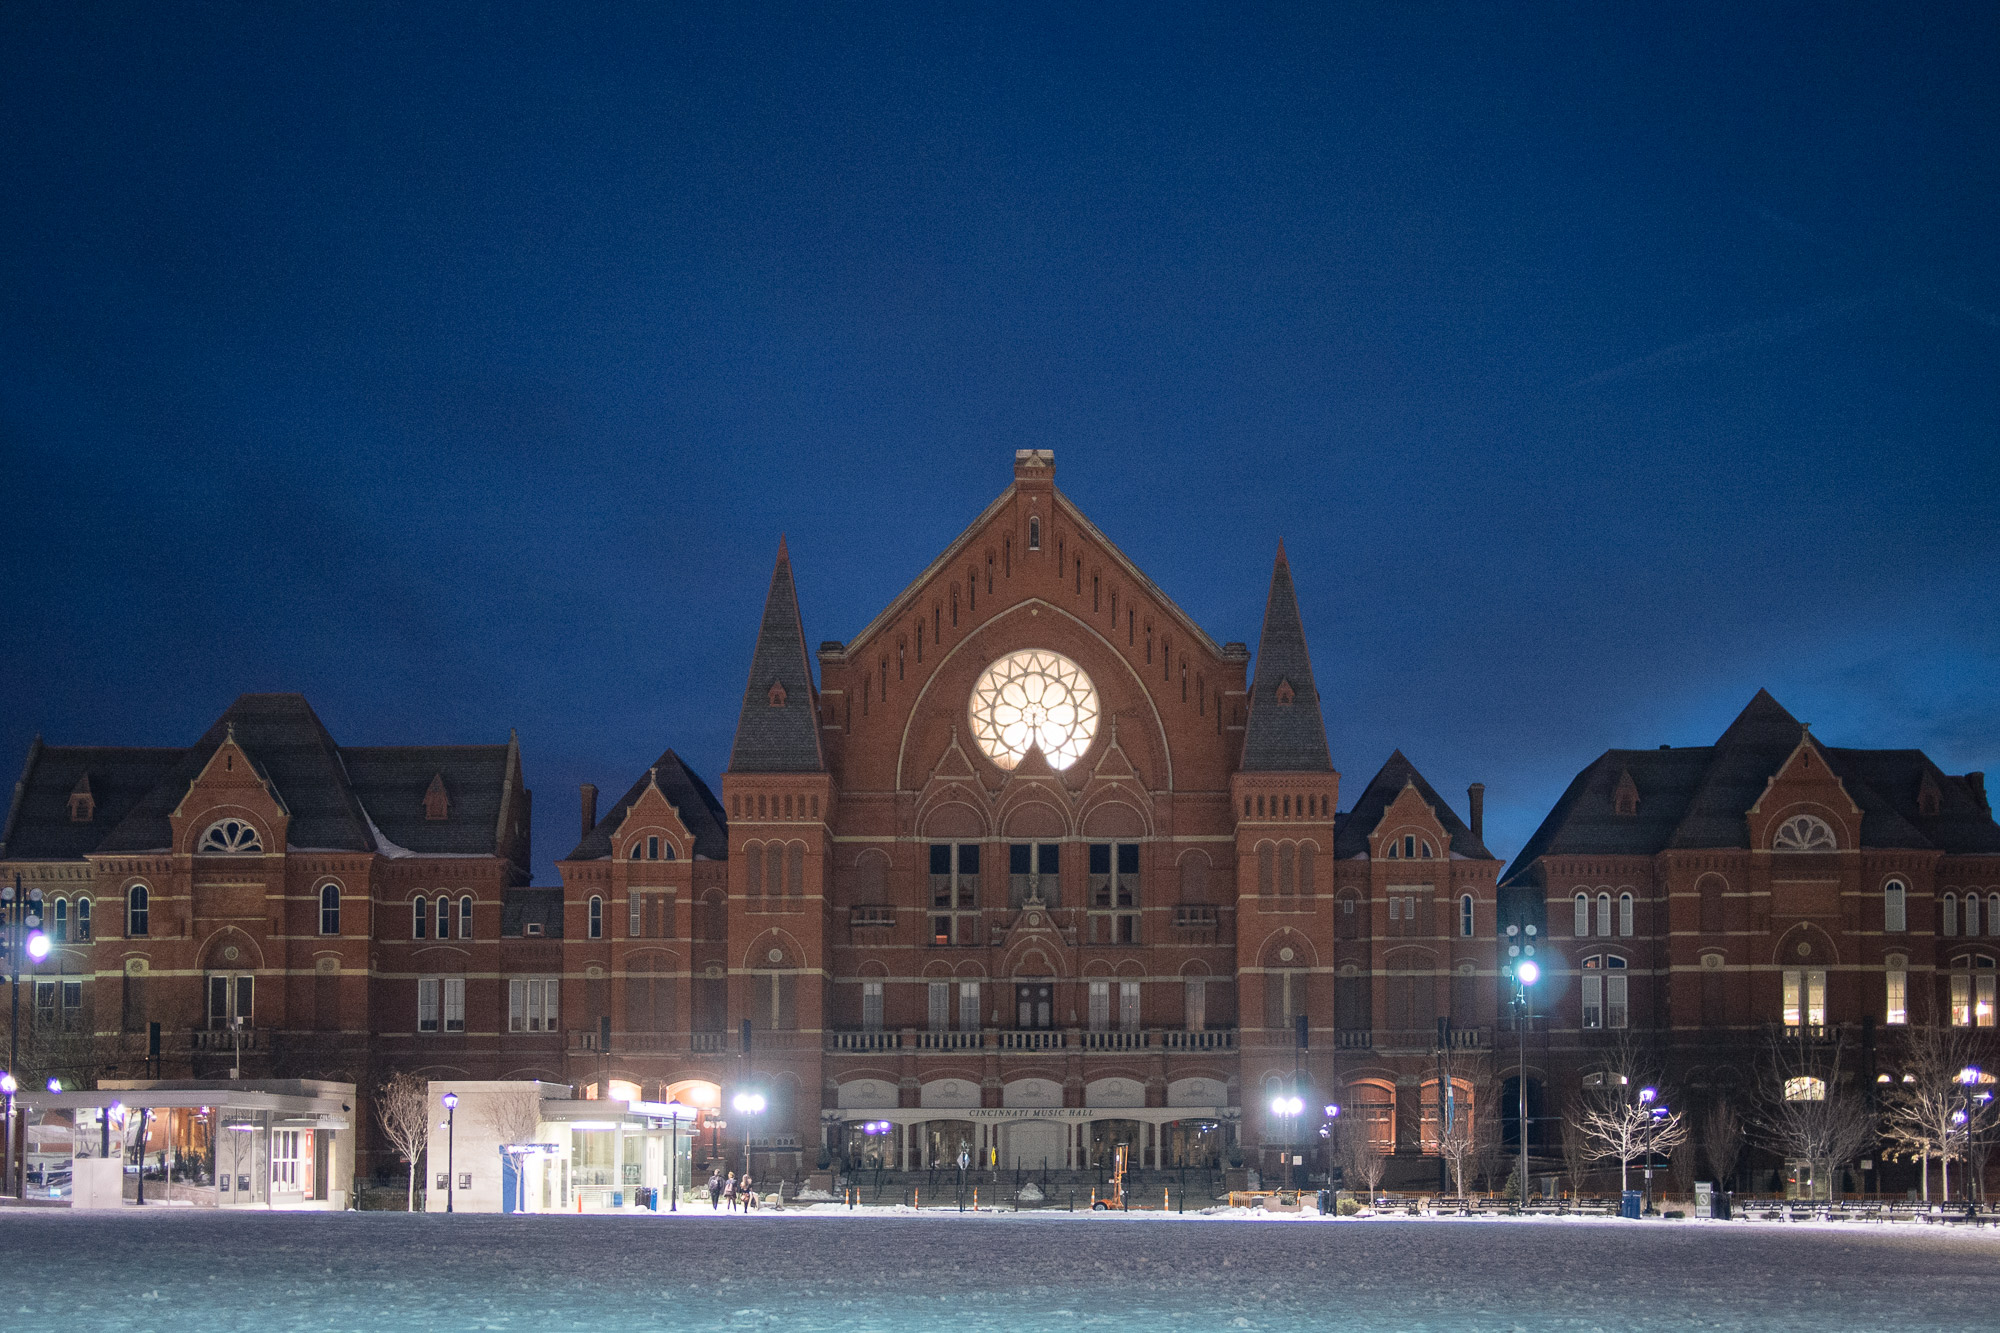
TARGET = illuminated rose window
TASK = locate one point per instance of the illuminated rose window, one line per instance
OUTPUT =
(1034, 698)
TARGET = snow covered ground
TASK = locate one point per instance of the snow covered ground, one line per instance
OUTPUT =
(896, 1272)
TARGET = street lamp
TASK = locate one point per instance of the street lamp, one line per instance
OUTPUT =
(1287, 1110)
(19, 911)
(1526, 972)
(1326, 1132)
(748, 1103)
(450, 1100)
(1653, 1113)
(9, 1085)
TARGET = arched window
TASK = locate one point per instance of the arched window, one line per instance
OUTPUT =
(638, 849)
(444, 917)
(597, 918)
(420, 918)
(83, 920)
(1034, 532)
(1971, 914)
(1582, 915)
(1428, 854)
(137, 901)
(1624, 914)
(1409, 846)
(329, 909)
(1804, 833)
(795, 871)
(1306, 868)
(1895, 907)
(465, 917)
(59, 921)
(1465, 917)
(1949, 915)
(652, 847)
(667, 852)
(1288, 884)
(1604, 914)
(1993, 914)
(753, 869)
(1267, 857)
(231, 835)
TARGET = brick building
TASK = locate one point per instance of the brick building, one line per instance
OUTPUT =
(1036, 867)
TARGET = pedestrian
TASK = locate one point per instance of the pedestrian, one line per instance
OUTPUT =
(729, 1191)
(747, 1192)
(715, 1189)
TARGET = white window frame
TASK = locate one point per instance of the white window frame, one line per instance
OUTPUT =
(594, 929)
(1195, 1002)
(871, 1006)
(1617, 993)
(1896, 997)
(465, 916)
(1971, 915)
(420, 917)
(427, 1004)
(1100, 1006)
(969, 1015)
(940, 1006)
(1949, 913)
(1895, 907)
(454, 1004)
(635, 906)
(1129, 1011)
(1465, 916)
(330, 887)
(1604, 916)
(1625, 914)
(1590, 991)
(285, 1158)
(534, 1004)
(1583, 916)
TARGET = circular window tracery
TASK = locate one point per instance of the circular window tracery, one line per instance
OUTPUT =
(1803, 833)
(1034, 698)
(231, 835)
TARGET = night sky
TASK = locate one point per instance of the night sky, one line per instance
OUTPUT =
(460, 367)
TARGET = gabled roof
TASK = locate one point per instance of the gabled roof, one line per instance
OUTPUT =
(900, 603)
(1352, 830)
(1284, 731)
(689, 796)
(778, 728)
(292, 751)
(1697, 796)
(38, 824)
(332, 795)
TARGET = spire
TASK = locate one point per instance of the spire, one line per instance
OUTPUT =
(1284, 732)
(778, 729)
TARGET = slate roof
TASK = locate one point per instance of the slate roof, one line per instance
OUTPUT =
(1697, 796)
(1351, 830)
(331, 794)
(689, 796)
(520, 908)
(1284, 737)
(781, 738)
(38, 823)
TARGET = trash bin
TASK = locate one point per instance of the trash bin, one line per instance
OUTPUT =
(1630, 1206)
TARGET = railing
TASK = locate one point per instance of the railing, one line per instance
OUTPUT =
(1810, 1031)
(1354, 1039)
(709, 1043)
(775, 1143)
(222, 1039)
(1217, 1040)
(1195, 918)
(871, 916)
(1114, 1041)
(1467, 1039)
(1030, 1040)
(863, 1041)
(948, 1041)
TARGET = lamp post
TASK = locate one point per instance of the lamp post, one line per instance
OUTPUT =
(1287, 1110)
(1526, 972)
(1646, 1098)
(22, 912)
(9, 1085)
(676, 1114)
(748, 1103)
(450, 1100)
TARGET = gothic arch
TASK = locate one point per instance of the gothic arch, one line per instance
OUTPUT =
(1821, 951)
(757, 957)
(250, 958)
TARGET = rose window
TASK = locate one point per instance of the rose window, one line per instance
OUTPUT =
(1034, 698)
(1803, 833)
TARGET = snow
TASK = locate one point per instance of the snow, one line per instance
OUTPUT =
(824, 1269)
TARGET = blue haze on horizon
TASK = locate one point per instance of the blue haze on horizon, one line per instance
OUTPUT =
(460, 366)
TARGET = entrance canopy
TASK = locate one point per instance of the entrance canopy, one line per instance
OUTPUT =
(329, 1105)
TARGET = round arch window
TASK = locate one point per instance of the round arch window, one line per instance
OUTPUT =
(1034, 698)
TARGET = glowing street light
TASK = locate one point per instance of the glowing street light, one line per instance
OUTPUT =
(450, 1100)
(1521, 953)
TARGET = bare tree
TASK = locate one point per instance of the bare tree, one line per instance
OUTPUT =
(1364, 1158)
(1931, 1111)
(512, 1116)
(1805, 1112)
(403, 1109)
(1681, 1166)
(1576, 1151)
(1461, 1141)
(1620, 1125)
(1722, 1141)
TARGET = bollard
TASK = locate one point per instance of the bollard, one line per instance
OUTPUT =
(1165, 1194)
(918, 1193)
(975, 1198)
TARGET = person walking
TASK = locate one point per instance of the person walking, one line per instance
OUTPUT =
(714, 1190)
(729, 1191)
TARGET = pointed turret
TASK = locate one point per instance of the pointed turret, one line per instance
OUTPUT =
(1284, 731)
(778, 729)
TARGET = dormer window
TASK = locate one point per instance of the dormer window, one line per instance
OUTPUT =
(82, 805)
(437, 805)
(776, 694)
(1626, 799)
(1285, 693)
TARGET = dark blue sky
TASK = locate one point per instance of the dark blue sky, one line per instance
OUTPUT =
(460, 367)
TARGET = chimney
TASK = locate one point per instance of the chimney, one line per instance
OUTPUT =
(589, 792)
(1475, 798)
(1977, 781)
